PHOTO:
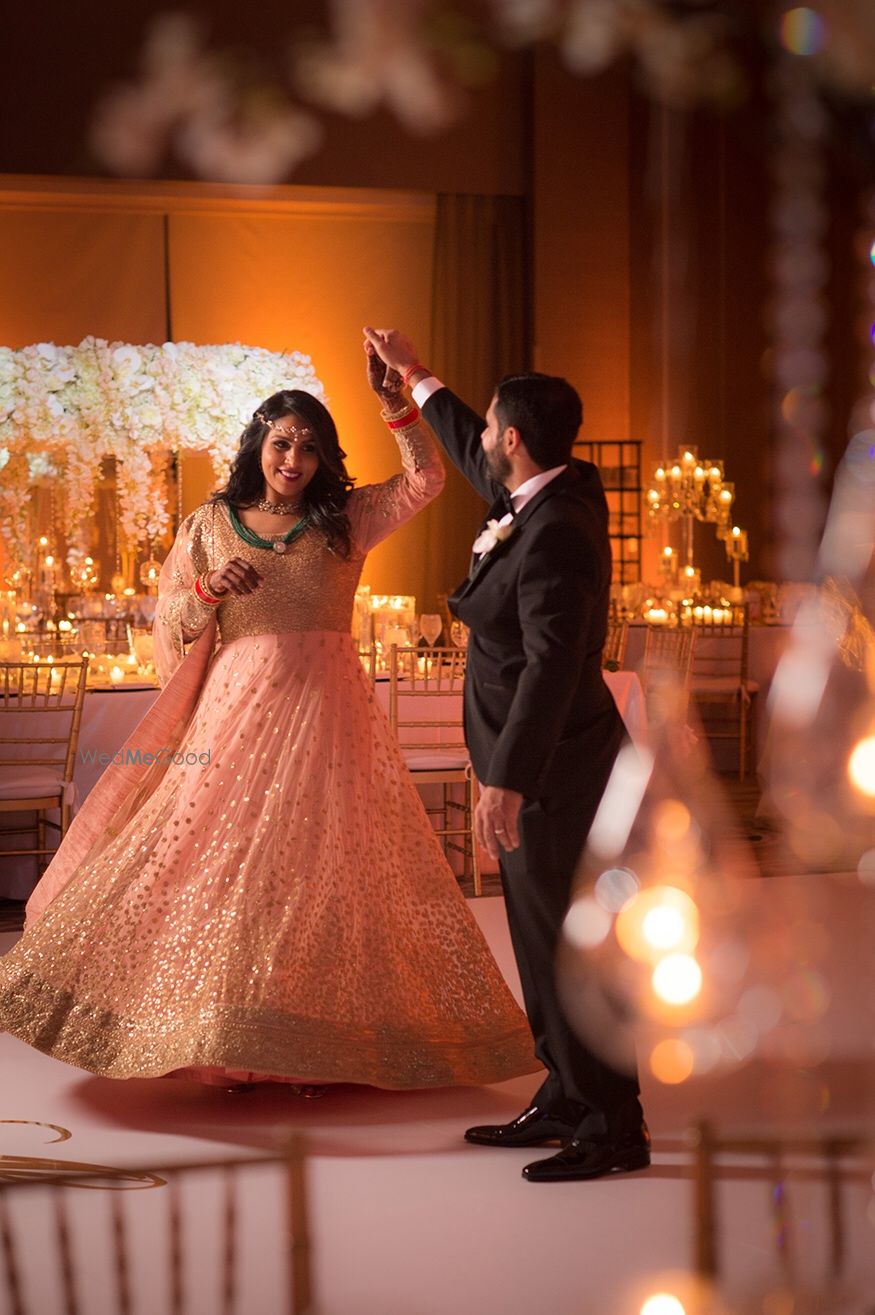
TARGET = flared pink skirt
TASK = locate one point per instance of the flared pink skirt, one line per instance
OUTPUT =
(275, 907)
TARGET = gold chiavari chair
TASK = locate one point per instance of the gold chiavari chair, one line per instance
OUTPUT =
(721, 689)
(667, 650)
(40, 717)
(425, 711)
(827, 1161)
(614, 651)
(220, 1235)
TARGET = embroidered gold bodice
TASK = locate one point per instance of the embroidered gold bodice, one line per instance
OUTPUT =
(306, 588)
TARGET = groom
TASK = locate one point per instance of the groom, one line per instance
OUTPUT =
(541, 725)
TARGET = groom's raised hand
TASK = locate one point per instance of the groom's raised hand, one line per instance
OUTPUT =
(394, 348)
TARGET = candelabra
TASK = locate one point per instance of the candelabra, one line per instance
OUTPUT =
(735, 543)
(688, 490)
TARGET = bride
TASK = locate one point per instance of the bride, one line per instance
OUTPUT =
(265, 900)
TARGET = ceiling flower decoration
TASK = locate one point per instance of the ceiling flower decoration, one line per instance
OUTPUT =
(64, 409)
(228, 116)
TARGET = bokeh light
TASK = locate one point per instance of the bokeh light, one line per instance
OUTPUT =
(671, 821)
(677, 979)
(861, 766)
(866, 867)
(802, 31)
(660, 919)
(615, 888)
(663, 1303)
(672, 1061)
(587, 923)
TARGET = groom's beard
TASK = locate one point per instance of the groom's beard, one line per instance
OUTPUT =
(498, 465)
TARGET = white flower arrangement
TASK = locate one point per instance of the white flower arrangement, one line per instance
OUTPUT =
(494, 533)
(66, 408)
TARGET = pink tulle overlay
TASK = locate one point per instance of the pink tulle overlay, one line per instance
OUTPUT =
(270, 901)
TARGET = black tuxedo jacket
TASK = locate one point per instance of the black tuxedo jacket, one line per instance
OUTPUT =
(539, 718)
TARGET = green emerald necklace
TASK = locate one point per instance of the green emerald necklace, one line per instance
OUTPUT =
(256, 541)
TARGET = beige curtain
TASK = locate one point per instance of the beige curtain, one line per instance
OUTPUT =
(480, 331)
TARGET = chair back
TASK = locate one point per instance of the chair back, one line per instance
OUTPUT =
(425, 697)
(808, 1170)
(220, 1235)
(41, 713)
(614, 651)
(720, 661)
(668, 651)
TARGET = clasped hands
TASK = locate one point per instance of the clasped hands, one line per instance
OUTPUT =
(389, 353)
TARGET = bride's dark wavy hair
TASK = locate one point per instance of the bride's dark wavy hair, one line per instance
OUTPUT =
(324, 498)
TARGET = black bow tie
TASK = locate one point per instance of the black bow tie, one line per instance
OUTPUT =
(504, 502)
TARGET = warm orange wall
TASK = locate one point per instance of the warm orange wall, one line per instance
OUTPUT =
(308, 278)
(286, 269)
(65, 274)
(581, 240)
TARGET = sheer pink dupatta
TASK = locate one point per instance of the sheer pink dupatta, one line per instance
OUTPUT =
(126, 784)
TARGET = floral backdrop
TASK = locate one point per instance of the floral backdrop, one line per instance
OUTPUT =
(63, 410)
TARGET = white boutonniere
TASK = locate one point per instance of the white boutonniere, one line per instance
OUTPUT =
(495, 532)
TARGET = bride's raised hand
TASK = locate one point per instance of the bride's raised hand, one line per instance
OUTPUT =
(235, 577)
(385, 381)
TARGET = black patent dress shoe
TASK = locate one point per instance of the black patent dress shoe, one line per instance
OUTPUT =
(534, 1127)
(582, 1159)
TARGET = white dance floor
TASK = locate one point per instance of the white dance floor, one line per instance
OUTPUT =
(406, 1218)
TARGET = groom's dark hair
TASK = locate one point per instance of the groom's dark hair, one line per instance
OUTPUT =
(546, 410)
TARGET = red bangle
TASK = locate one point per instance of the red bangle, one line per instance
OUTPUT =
(411, 369)
(409, 418)
(204, 596)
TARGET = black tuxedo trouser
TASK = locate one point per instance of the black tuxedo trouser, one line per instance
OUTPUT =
(537, 880)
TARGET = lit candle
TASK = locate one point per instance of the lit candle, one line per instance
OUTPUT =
(707, 612)
(116, 675)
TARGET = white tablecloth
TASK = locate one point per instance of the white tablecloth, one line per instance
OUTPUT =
(110, 718)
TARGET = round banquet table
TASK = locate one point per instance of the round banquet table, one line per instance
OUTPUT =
(110, 718)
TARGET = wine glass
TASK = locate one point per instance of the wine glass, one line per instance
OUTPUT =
(430, 626)
(459, 634)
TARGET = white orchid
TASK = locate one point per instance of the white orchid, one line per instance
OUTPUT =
(494, 533)
(78, 405)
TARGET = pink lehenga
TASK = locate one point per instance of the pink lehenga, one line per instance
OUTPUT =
(266, 899)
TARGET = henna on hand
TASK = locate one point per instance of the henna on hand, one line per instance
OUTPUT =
(236, 577)
(385, 381)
